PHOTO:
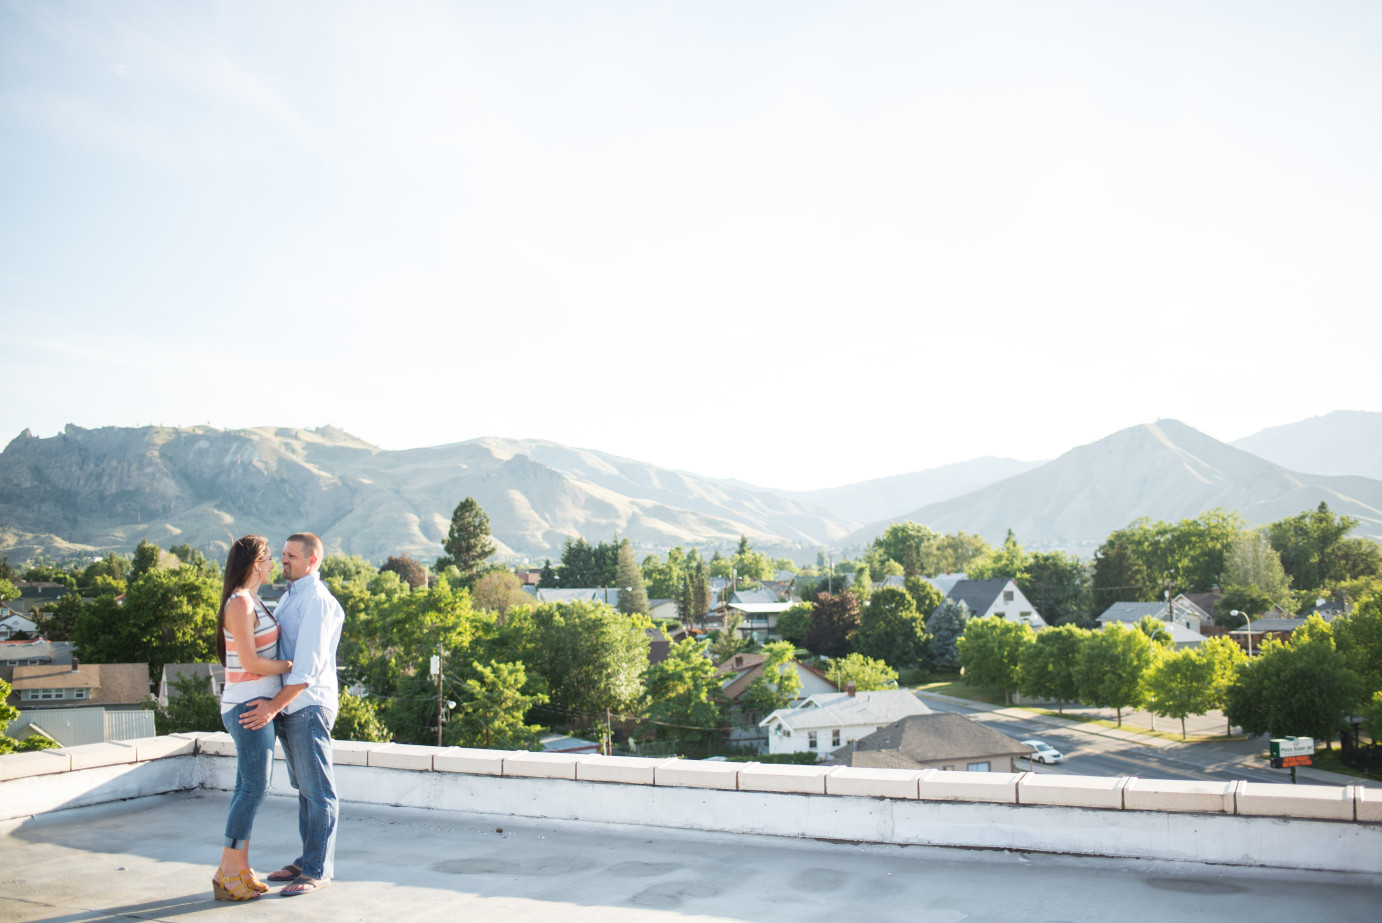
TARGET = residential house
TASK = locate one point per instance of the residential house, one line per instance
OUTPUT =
(758, 620)
(1205, 601)
(665, 609)
(81, 703)
(1274, 627)
(1181, 610)
(213, 675)
(12, 623)
(941, 741)
(660, 643)
(33, 594)
(825, 722)
(998, 597)
(739, 673)
(32, 653)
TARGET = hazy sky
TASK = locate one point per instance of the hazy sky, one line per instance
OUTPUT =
(801, 244)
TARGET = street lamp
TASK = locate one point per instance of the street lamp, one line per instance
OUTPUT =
(1249, 619)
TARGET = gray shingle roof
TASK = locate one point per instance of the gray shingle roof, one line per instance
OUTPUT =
(921, 739)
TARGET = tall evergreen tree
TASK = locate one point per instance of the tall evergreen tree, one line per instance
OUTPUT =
(633, 597)
(468, 544)
(548, 578)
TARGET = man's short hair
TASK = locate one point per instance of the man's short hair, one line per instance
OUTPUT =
(310, 543)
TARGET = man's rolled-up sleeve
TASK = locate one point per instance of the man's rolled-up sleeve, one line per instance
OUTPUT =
(311, 658)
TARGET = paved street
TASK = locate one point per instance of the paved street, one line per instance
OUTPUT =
(1091, 749)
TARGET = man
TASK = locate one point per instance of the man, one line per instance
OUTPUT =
(309, 627)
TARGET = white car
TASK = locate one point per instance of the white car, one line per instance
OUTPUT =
(1045, 753)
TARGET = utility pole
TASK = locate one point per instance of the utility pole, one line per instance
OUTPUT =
(441, 703)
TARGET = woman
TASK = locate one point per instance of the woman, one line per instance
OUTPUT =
(247, 643)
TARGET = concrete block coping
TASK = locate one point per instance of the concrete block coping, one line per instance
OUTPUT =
(1350, 803)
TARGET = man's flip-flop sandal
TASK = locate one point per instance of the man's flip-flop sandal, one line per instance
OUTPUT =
(305, 885)
(289, 872)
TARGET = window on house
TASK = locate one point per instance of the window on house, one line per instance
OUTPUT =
(978, 767)
(80, 693)
(1026, 616)
(34, 695)
(811, 739)
(1007, 596)
(835, 737)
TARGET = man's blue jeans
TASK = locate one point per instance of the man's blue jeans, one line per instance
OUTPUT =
(306, 738)
(254, 762)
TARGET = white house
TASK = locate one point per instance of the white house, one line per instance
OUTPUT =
(825, 722)
(13, 623)
(1182, 612)
(739, 673)
(998, 597)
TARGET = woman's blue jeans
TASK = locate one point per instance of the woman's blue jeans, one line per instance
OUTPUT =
(254, 763)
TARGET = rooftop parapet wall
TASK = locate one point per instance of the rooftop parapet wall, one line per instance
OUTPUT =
(1233, 823)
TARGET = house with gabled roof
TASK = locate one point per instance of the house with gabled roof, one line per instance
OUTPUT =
(942, 741)
(740, 672)
(1182, 611)
(997, 597)
(826, 722)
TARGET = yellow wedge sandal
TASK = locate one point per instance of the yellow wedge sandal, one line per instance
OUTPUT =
(242, 887)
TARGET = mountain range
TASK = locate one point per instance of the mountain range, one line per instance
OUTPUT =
(84, 491)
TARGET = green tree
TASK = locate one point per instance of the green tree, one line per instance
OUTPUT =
(1372, 717)
(57, 620)
(909, 544)
(1120, 574)
(1058, 584)
(468, 544)
(492, 713)
(8, 590)
(1252, 562)
(168, 616)
(588, 657)
(777, 683)
(1239, 599)
(1315, 552)
(683, 694)
(1111, 666)
(113, 566)
(633, 597)
(358, 719)
(946, 625)
(952, 554)
(891, 629)
(661, 579)
(1178, 684)
(866, 673)
(727, 642)
(700, 591)
(794, 623)
(721, 566)
(1358, 637)
(146, 557)
(990, 652)
(752, 565)
(194, 708)
(548, 578)
(926, 596)
(1008, 560)
(346, 569)
(834, 619)
(1048, 664)
(1156, 631)
(1224, 658)
(1301, 689)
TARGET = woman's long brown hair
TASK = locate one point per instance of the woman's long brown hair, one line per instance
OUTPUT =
(244, 556)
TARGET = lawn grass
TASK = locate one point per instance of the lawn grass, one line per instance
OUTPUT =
(1329, 761)
(989, 695)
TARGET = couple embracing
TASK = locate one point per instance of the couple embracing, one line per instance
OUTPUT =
(280, 683)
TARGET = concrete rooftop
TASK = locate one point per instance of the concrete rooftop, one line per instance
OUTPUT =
(150, 858)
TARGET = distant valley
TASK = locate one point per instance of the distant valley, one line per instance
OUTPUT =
(86, 491)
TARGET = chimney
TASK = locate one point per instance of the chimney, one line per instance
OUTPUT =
(849, 687)
(738, 660)
(75, 664)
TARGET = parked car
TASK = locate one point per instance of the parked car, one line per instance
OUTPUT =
(1045, 753)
